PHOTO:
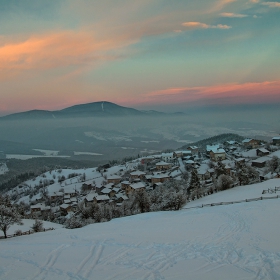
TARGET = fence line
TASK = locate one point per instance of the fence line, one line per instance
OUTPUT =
(25, 233)
(231, 202)
(276, 189)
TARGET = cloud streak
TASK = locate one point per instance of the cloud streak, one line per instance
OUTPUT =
(264, 92)
(272, 4)
(233, 15)
(60, 49)
(190, 25)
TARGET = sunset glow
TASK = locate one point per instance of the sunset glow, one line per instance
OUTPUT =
(55, 54)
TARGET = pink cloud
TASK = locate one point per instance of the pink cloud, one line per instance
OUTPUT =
(219, 94)
(199, 25)
(233, 15)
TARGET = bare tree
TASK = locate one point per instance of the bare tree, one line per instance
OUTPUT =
(8, 215)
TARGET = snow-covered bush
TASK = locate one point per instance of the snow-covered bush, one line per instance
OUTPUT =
(73, 222)
(37, 226)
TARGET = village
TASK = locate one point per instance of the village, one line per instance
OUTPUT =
(62, 192)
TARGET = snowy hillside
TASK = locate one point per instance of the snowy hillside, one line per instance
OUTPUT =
(238, 241)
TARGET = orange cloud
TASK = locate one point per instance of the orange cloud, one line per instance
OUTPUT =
(234, 93)
(233, 15)
(59, 49)
(199, 25)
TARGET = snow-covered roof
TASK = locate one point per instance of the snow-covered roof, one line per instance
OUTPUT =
(276, 138)
(247, 140)
(113, 177)
(193, 147)
(218, 151)
(231, 142)
(69, 191)
(116, 189)
(90, 196)
(212, 147)
(106, 190)
(108, 186)
(64, 206)
(121, 195)
(162, 163)
(159, 176)
(263, 150)
(261, 159)
(137, 173)
(102, 197)
(42, 206)
(167, 154)
(125, 182)
(202, 169)
(138, 185)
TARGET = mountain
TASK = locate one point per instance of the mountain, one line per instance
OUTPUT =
(95, 109)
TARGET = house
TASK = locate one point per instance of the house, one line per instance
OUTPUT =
(276, 140)
(102, 198)
(137, 174)
(262, 152)
(240, 161)
(270, 175)
(147, 159)
(159, 178)
(90, 198)
(40, 208)
(250, 143)
(125, 184)
(113, 179)
(65, 209)
(56, 195)
(163, 165)
(210, 148)
(203, 173)
(167, 156)
(260, 162)
(189, 163)
(217, 154)
(108, 192)
(193, 149)
(120, 197)
(72, 193)
(140, 186)
(180, 154)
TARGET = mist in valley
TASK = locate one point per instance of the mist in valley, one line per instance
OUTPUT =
(107, 138)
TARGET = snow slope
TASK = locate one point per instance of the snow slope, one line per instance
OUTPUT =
(238, 241)
(27, 224)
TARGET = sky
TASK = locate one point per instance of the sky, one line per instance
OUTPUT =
(148, 54)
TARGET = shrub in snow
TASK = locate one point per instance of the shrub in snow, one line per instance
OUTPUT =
(73, 222)
(18, 232)
(37, 226)
(224, 182)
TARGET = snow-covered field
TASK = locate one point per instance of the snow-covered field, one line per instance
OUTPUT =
(238, 241)
(25, 157)
(47, 152)
(27, 224)
(86, 153)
